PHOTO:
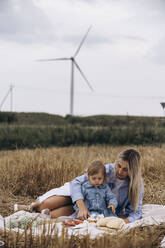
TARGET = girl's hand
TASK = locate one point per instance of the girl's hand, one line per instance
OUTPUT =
(126, 221)
(83, 212)
(112, 208)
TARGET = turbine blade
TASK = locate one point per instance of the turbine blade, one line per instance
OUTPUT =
(42, 60)
(82, 74)
(78, 49)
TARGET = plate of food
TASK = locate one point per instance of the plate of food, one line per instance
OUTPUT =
(71, 222)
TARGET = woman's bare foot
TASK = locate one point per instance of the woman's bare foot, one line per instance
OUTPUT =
(18, 207)
(30, 207)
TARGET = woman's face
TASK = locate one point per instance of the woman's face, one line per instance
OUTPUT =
(121, 169)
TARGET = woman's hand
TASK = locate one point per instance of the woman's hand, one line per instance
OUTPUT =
(83, 212)
(112, 208)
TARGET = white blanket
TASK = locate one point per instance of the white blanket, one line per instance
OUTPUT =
(152, 214)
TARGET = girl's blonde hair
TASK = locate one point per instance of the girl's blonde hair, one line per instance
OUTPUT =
(95, 167)
(132, 157)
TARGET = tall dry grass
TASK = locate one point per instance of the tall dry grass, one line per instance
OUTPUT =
(26, 174)
(29, 173)
(139, 237)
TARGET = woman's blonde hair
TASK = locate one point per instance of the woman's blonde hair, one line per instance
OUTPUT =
(95, 167)
(132, 157)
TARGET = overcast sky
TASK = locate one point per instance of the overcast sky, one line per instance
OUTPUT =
(123, 56)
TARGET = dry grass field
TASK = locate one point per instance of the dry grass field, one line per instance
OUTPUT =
(26, 174)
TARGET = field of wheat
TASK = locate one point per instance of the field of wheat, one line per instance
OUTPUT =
(26, 174)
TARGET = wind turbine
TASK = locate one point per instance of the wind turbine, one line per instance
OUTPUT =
(10, 91)
(163, 106)
(73, 63)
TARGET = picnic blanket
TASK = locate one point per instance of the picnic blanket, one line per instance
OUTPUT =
(152, 214)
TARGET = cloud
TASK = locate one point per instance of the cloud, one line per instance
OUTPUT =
(4, 5)
(87, 1)
(91, 40)
(133, 37)
(151, 4)
(157, 53)
(25, 22)
(22, 21)
(97, 40)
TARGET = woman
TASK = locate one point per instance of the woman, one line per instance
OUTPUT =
(124, 179)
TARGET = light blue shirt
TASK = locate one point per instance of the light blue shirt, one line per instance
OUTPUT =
(97, 199)
(123, 202)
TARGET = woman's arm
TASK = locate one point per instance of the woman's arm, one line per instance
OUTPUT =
(76, 193)
(77, 196)
(75, 188)
(75, 185)
(110, 197)
(129, 211)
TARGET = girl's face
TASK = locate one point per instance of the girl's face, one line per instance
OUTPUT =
(121, 169)
(96, 179)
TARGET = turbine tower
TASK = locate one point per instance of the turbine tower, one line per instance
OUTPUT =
(73, 65)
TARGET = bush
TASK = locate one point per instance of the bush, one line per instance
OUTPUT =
(8, 117)
(13, 137)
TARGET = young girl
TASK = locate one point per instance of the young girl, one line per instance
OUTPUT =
(98, 197)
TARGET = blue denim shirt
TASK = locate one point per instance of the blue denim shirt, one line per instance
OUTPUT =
(123, 202)
(97, 199)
